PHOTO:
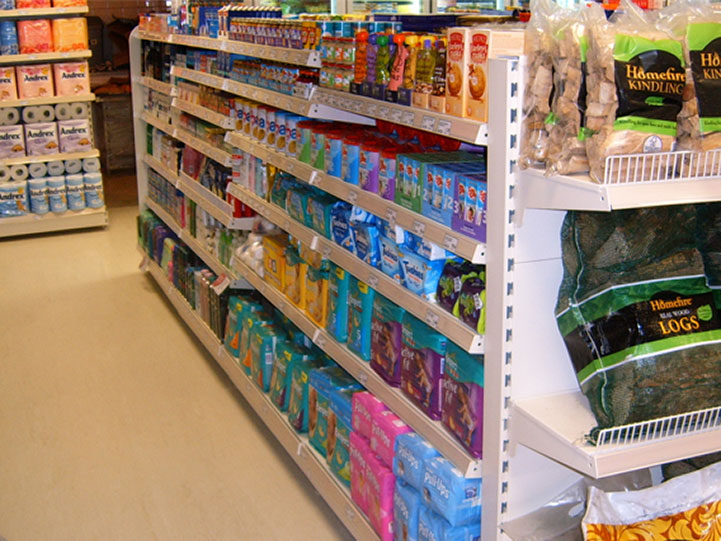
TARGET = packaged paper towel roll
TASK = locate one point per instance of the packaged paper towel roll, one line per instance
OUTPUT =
(62, 111)
(75, 187)
(56, 168)
(94, 190)
(9, 116)
(4, 173)
(38, 170)
(31, 115)
(57, 198)
(18, 172)
(38, 195)
(91, 165)
(73, 167)
(78, 110)
(46, 112)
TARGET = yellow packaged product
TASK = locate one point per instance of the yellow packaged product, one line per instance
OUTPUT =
(274, 260)
(316, 292)
(295, 270)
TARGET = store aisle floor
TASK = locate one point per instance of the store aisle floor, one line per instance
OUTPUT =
(114, 422)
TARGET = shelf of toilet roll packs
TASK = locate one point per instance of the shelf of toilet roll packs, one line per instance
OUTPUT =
(313, 465)
(50, 100)
(44, 57)
(435, 316)
(42, 12)
(51, 157)
(45, 223)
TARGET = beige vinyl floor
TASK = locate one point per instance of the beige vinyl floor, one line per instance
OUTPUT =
(114, 422)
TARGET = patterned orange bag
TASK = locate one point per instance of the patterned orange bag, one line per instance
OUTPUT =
(686, 507)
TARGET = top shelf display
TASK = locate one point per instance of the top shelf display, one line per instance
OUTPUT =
(42, 12)
(299, 57)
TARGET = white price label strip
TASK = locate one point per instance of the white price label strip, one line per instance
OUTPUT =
(450, 242)
(428, 122)
(432, 319)
(444, 127)
(391, 216)
(409, 118)
(352, 196)
(383, 112)
(396, 115)
(419, 228)
(373, 281)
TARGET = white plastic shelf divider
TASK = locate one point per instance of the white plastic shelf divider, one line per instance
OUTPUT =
(433, 431)
(219, 155)
(579, 192)
(35, 223)
(466, 247)
(44, 57)
(313, 465)
(194, 244)
(556, 426)
(201, 112)
(299, 57)
(51, 157)
(158, 86)
(432, 314)
(211, 203)
(470, 131)
(42, 12)
(50, 100)
(148, 118)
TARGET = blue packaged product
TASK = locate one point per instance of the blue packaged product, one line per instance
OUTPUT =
(8, 38)
(75, 188)
(287, 355)
(362, 216)
(38, 193)
(421, 275)
(390, 259)
(339, 429)
(13, 198)
(279, 193)
(439, 206)
(323, 382)
(338, 283)
(298, 395)
(409, 462)
(320, 207)
(367, 245)
(263, 341)
(57, 197)
(424, 248)
(350, 160)
(7, 4)
(449, 494)
(94, 198)
(406, 507)
(396, 233)
(360, 314)
(297, 203)
(433, 527)
(341, 231)
(386, 338)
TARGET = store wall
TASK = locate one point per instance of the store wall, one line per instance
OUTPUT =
(124, 9)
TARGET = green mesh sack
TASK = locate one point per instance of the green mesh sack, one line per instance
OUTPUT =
(636, 314)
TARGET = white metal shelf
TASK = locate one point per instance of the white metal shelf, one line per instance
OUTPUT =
(301, 106)
(158, 86)
(219, 155)
(220, 210)
(44, 57)
(433, 431)
(46, 223)
(225, 122)
(312, 464)
(47, 101)
(167, 173)
(148, 118)
(42, 12)
(194, 244)
(51, 157)
(556, 426)
(461, 245)
(580, 192)
(435, 316)
(300, 57)
(463, 129)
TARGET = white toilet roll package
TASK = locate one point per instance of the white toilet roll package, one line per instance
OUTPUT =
(71, 78)
(4, 173)
(94, 190)
(38, 170)
(62, 111)
(91, 165)
(56, 168)
(75, 188)
(79, 110)
(39, 113)
(73, 166)
(19, 172)
(57, 198)
(8, 87)
(74, 135)
(41, 139)
(12, 141)
(13, 198)
(38, 195)
(9, 116)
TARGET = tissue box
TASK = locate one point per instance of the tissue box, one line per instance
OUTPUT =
(71, 78)
(41, 138)
(35, 36)
(34, 81)
(8, 88)
(12, 142)
(74, 135)
(70, 34)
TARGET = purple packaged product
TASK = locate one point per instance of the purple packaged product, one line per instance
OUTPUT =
(386, 331)
(449, 285)
(471, 305)
(469, 206)
(423, 354)
(438, 205)
(387, 174)
(462, 408)
(369, 167)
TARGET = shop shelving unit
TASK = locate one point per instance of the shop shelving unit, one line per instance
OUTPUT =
(535, 417)
(32, 223)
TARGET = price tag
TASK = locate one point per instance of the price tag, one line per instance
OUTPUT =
(327, 250)
(396, 115)
(314, 178)
(444, 127)
(231, 261)
(391, 215)
(428, 122)
(419, 228)
(373, 281)
(432, 319)
(349, 512)
(320, 341)
(144, 263)
(265, 408)
(281, 306)
(286, 225)
(352, 196)
(363, 378)
(262, 210)
(221, 284)
(450, 242)
(290, 167)
(357, 107)
(371, 109)
(383, 112)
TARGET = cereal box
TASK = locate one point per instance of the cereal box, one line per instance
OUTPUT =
(457, 59)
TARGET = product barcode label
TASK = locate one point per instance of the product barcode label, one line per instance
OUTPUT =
(428, 122)
(432, 319)
(391, 216)
(326, 251)
(383, 112)
(396, 115)
(444, 127)
(419, 228)
(373, 281)
(450, 242)
(320, 341)
(371, 109)
(363, 378)
(409, 118)
(352, 196)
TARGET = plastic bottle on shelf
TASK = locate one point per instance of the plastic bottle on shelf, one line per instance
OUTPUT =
(425, 65)
(361, 61)
(438, 94)
(370, 65)
(383, 74)
(397, 66)
(405, 92)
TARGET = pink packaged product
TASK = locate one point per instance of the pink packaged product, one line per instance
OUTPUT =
(8, 88)
(35, 36)
(381, 484)
(71, 78)
(365, 404)
(385, 428)
(360, 450)
(34, 81)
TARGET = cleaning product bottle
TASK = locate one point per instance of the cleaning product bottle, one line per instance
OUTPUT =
(405, 92)
(424, 74)
(383, 74)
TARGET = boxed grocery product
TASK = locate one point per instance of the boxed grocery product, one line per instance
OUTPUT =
(263, 341)
(298, 393)
(286, 356)
(316, 291)
(32, 4)
(8, 87)
(432, 526)
(12, 141)
(41, 139)
(469, 206)
(294, 279)
(274, 259)
(381, 485)
(360, 312)
(338, 282)
(35, 36)
(71, 78)
(69, 3)
(438, 202)
(35, 81)
(458, 57)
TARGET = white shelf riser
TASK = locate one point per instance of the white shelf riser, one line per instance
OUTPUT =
(47, 223)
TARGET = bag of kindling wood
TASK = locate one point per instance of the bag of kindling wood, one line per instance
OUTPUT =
(567, 138)
(636, 79)
(538, 86)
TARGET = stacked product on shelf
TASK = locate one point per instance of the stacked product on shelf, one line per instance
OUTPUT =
(34, 36)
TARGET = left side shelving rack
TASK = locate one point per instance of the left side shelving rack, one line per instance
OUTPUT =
(32, 223)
